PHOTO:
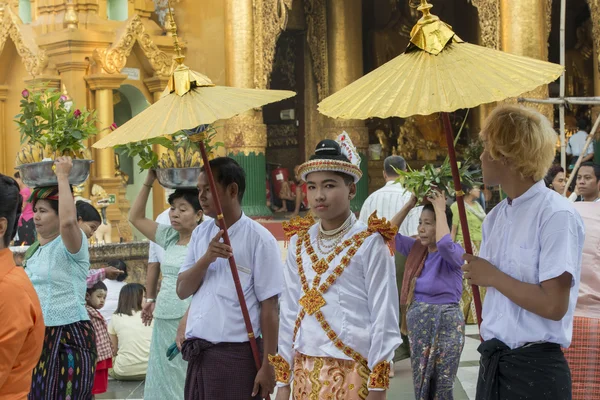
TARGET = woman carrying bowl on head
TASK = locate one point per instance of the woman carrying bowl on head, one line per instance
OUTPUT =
(166, 379)
(57, 266)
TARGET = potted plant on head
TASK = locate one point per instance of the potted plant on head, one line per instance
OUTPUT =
(51, 128)
(179, 166)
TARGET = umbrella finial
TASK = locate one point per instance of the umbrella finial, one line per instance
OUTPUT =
(179, 57)
(424, 8)
(430, 34)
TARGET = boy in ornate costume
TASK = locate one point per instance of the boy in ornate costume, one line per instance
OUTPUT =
(339, 312)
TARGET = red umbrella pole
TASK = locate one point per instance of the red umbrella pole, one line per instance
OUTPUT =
(461, 206)
(232, 265)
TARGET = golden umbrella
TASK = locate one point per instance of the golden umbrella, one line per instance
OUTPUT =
(190, 99)
(439, 72)
(190, 103)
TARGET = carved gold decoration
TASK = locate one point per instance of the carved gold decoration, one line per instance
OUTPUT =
(114, 58)
(316, 34)
(282, 135)
(489, 22)
(71, 21)
(245, 134)
(548, 18)
(34, 59)
(270, 19)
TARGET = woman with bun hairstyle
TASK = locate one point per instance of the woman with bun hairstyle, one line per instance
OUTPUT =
(58, 266)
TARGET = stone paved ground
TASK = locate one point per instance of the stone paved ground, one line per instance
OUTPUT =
(401, 385)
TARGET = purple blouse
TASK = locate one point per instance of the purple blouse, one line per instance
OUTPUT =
(441, 279)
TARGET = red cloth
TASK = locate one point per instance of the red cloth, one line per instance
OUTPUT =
(101, 376)
(584, 358)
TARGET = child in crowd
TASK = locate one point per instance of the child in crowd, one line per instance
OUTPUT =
(129, 336)
(95, 298)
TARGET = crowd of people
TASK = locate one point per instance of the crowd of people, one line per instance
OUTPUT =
(354, 295)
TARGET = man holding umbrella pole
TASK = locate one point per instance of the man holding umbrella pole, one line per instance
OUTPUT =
(530, 260)
(217, 348)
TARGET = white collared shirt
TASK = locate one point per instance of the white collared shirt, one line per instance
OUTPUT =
(387, 201)
(536, 238)
(215, 313)
(577, 142)
(155, 252)
(361, 307)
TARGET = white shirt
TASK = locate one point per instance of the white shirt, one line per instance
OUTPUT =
(577, 142)
(155, 252)
(387, 201)
(362, 306)
(537, 238)
(134, 344)
(112, 298)
(215, 313)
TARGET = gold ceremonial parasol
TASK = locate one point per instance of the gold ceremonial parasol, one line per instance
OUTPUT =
(439, 72)
(190, 103)
(190, 100)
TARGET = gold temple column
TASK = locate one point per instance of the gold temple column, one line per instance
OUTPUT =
(156, 85)
(5, 154)
(104, 159)
(345, 59)
(245, 135)
(523, 32)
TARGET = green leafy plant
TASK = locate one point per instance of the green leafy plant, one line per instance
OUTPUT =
(422, 182)
(46, 119)
(180, 151)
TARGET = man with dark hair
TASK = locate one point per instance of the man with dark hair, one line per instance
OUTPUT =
(588, 182)
(577, 142)
(387, 201)
(221, 365)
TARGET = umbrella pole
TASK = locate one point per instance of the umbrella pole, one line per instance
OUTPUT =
(232, 265)
(461, 206)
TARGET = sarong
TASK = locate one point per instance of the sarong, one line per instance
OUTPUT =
(318, 378)
(66, 366)
(164, 379)
(583, 357)
(537, 371)
(436, 335)
(224, 371)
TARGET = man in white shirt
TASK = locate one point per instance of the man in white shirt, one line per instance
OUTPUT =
(588, 182)
(530, 260)
(221, 365)
(387, 201)
(577, 143)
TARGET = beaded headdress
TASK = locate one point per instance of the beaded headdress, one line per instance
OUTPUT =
(338, 155)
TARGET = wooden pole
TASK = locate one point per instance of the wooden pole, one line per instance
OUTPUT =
(460, 201)
(561, 109)
(580, 159)
(566, 100)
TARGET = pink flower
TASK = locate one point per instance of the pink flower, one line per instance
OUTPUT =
(113, 126)
(25, 93)
(62, 98)
(77, 113)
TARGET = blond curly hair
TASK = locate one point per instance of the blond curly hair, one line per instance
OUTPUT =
(523, 136)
